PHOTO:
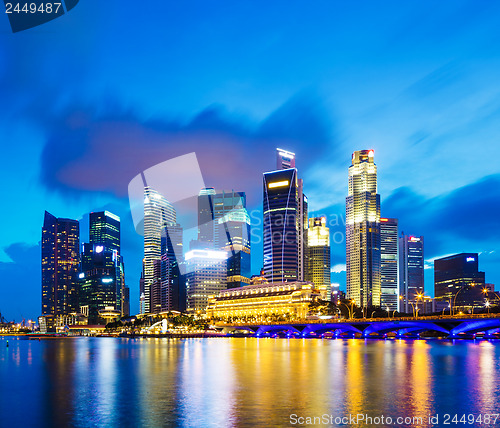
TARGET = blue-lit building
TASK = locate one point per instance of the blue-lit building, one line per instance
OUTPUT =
(102, 275)
(224, 224)
(458, 280)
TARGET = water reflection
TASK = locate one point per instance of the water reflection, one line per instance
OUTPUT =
(240, 382)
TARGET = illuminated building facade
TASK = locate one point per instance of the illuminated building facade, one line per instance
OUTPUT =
(157, 213)
(318, 255)
(104, 231)
(206, 275)
(389, 262)
(263, 301)
(100, 279)
(224, 224)
(457, 279)
(411, 266)
(363, 231)
(234, 237)
(60, 261)
(285, 222)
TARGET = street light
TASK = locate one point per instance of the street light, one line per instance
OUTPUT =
(487, 304)
(458, 292)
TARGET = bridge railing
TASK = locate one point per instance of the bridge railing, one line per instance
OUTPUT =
(358, 320)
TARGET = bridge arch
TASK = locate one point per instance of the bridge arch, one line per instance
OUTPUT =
(270, 329)
(474, 326)
(385, 327)
(325, 328)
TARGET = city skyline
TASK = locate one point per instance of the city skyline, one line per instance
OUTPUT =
(425, 101)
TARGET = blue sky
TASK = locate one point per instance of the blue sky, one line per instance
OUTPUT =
(94, 97)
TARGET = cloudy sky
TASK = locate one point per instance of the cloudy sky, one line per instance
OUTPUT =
(93, 98)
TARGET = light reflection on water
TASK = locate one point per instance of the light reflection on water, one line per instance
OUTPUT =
(240, 382)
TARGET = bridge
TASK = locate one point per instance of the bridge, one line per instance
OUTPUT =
(487, 326)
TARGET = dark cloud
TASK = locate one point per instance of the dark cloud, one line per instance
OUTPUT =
(465, 219)
(90, 151)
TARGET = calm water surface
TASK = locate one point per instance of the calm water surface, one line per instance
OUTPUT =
(85, 382)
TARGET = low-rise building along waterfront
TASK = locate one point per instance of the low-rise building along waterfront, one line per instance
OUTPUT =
(264, 301)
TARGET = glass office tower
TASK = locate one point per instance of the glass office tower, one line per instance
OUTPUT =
(168, 290)
(363, 231)
(285, 222)
(411, 275)
(104, 231)
(281, 226)
(224, 224)
(389, 271)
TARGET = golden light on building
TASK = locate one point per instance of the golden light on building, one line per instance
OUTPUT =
(318, 254)
(261, 301)
(363, 231)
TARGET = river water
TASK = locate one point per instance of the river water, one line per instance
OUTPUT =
(246, 382)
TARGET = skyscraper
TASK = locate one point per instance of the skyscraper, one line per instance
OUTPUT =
(285, 222)
(206, 276)
(224, 224)
(389, 272)
(411, 274)
(157, 212)
(458, 280)
(60, 260)
(168, 289)
(100, 281)
(206, 216)
(234, 238)
(281, 226)
(363, 231)
(104, 231)
(318, 255)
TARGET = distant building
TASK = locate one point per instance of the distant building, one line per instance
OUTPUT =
(60, 260)
(490, 286)
(318, 255)
(263, 301)
(206, 275)
(389, 272)
(363, 231)
(457, 279)
(411, 270)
